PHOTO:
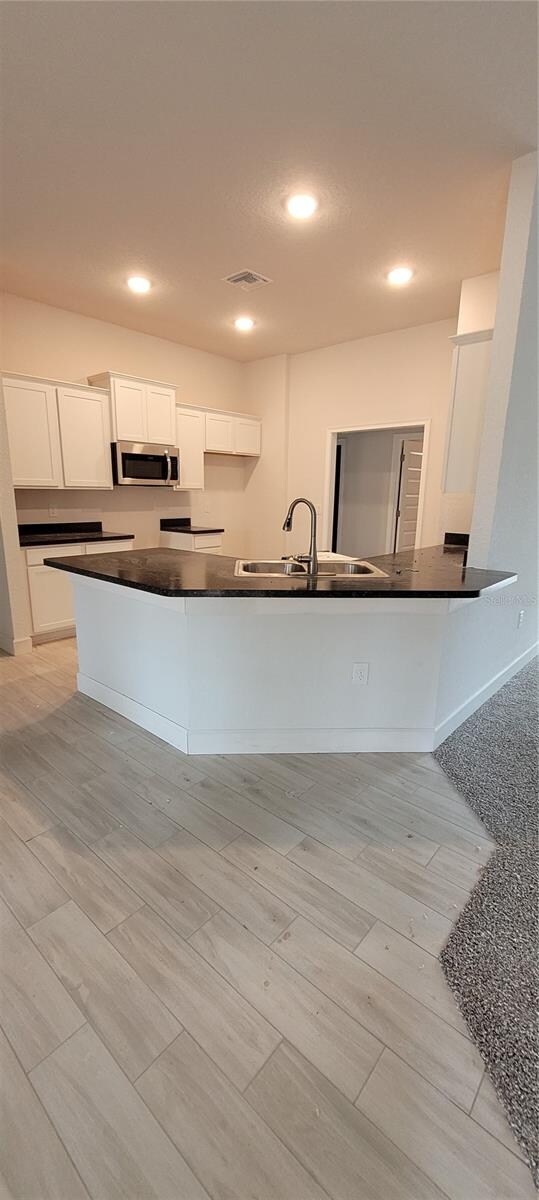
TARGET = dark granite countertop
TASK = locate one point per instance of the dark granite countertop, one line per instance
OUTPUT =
(433, 572)
(60, 533)
(183, 525)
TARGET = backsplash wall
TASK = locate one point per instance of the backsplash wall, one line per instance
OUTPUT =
(122, 510)
(138, 510)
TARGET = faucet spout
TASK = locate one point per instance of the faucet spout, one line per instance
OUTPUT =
(312, 557)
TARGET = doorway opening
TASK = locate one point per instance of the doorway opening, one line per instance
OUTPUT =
(376, 490)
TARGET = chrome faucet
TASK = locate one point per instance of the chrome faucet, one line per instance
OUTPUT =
(312, 556)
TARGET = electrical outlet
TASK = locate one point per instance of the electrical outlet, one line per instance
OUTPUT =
(520, 618)
(53, 512)
(360, 674)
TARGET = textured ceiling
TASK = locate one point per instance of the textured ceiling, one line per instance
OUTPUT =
(162, 138)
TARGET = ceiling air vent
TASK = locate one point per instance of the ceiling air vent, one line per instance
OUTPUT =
(247, 280)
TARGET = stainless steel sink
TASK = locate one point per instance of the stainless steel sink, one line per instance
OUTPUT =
(277, 568)
(270, 568)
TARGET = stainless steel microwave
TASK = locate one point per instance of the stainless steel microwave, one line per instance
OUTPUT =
(143, 465)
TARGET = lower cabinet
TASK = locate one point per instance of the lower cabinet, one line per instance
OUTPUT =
(202, 543)
(51, 599)
(51, 596)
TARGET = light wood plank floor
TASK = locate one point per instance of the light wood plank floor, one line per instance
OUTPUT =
(219, 974)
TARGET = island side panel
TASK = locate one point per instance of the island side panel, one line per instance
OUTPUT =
(133, 655)
(276, 675)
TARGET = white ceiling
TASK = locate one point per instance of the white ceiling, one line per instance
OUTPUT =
(162, 138)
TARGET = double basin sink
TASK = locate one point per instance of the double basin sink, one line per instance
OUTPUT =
(279, 568)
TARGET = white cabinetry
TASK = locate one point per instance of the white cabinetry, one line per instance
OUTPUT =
(219, 433)
(142, 411)
(129, 410)
(50, 591)
(246, 436)
(161, 408)
(191, 440)
(85, 437)
(201, 543)
(58, 434)
(33, 433)
(228, 433)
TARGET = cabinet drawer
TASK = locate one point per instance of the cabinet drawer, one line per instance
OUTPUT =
(108, 547)
(206, 541)
(35, 556)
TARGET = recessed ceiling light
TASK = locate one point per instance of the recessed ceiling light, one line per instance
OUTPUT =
(139, 284)
(302, 206)
(244, 324)
(399, 276)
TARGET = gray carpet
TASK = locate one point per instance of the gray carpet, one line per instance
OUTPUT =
(490, 960)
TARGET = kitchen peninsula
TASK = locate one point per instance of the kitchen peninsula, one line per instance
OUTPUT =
(219, 663)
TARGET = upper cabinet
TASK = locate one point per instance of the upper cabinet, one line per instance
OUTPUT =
(142, 411)
(191, 440)
(219, 433)
(247, 436)
(85, 437)
(227, 433)
(59, 436)
(33, 433)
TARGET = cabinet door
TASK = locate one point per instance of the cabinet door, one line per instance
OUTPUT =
(85, 438)
(190, 439)
(246, 436)
(51, 598)
(130, 410)
(219, 433)
(161, 402)
(33, 433)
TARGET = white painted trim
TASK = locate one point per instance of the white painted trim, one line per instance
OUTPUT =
(329, 471)
(309, 741)
(15, 646)
(460, 714)
(161, 726)
(467, 339)
(257, 741)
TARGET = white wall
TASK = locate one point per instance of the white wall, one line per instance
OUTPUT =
(38, 339)
(367, 491)
(487, 644)
(515, 247)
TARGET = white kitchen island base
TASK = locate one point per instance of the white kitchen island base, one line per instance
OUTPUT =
(246, 675)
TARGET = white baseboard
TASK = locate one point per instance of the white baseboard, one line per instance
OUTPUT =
(15, 646)
(174, 734)
(460, 714)
(54, 635)
(309, 741)
(257, 741)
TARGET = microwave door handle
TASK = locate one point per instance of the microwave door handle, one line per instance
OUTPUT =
(169, 467)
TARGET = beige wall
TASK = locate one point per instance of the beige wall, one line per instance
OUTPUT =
(478, 300)
(395, 377)
(385, 380)
(38, 339)
(265, 393)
